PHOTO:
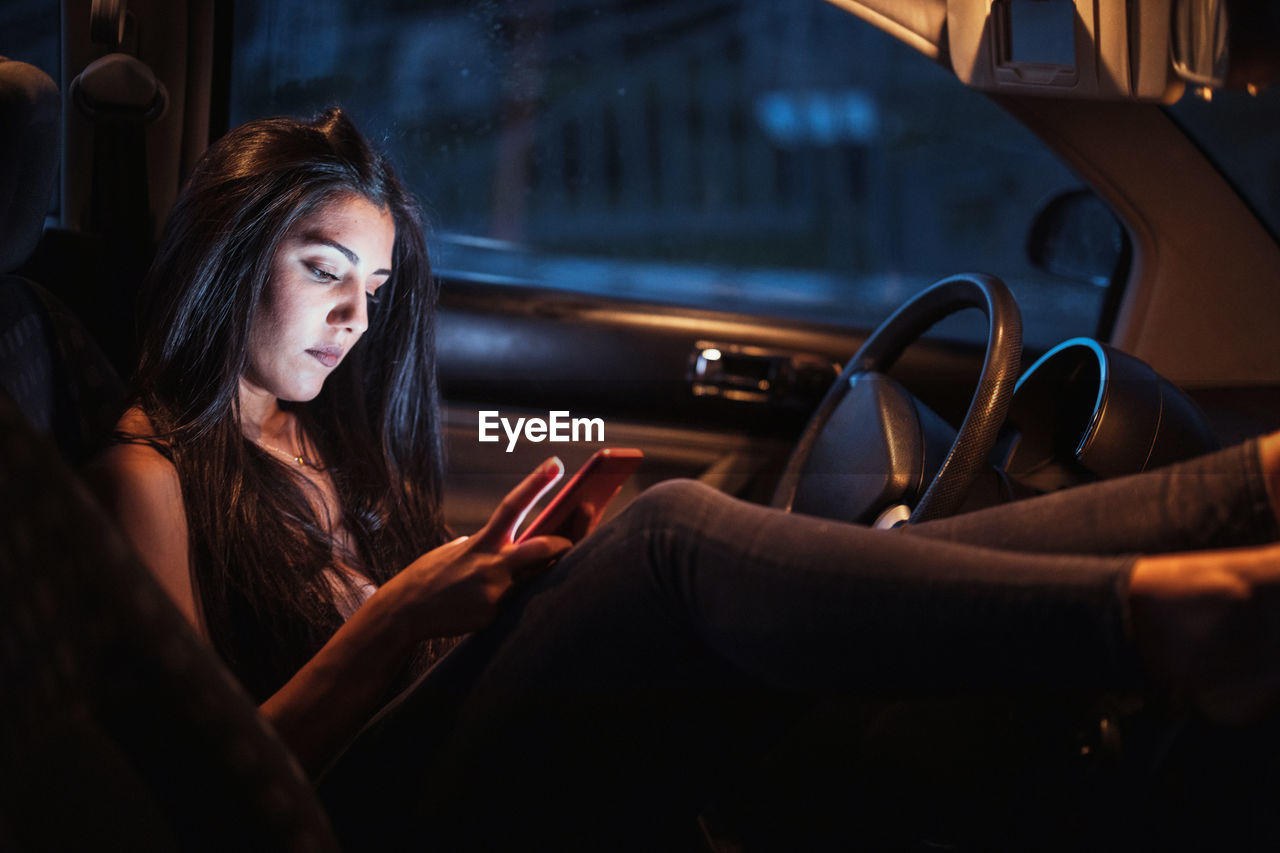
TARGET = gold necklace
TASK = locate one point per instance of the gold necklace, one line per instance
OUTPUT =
(301, 460)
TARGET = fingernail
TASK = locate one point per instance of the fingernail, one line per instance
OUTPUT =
(551, 464)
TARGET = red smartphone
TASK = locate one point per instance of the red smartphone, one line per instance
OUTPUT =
(577, 508)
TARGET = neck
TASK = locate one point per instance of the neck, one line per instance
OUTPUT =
(264, 423)
(261, 418)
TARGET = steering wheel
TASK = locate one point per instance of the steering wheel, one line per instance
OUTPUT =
(871, 447)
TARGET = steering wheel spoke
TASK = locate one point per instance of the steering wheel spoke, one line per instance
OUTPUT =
(871, 444)
(880, 447)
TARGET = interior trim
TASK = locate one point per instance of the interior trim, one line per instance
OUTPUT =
(921, 25)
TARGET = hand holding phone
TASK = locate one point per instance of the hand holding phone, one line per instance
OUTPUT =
(577, 508)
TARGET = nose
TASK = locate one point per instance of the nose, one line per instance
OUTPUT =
(351, 313)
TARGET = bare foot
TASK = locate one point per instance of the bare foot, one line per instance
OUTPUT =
(1269, 449)
(1209, 623)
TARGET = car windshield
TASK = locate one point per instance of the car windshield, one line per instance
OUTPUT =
(1240, 133)
(783, 159)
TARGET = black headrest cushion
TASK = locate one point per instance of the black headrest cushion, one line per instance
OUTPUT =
(29, 119)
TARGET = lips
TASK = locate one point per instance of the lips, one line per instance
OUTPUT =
(328, 356)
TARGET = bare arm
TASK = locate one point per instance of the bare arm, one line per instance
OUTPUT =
(450, 590)
(140, 488)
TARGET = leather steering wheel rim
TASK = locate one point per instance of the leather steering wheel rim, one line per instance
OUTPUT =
(987, 409)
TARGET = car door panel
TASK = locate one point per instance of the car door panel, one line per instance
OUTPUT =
(519, 352)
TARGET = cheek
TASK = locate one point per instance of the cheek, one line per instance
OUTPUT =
(281, 308)
(258, 358)
(263, 329)
(268, 336)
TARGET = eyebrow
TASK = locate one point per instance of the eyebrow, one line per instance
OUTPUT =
(312, 237)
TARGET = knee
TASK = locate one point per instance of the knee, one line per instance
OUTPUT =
(669, 502)
(672, 496)
(660, 527)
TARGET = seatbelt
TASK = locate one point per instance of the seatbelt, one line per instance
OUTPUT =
(121, 96)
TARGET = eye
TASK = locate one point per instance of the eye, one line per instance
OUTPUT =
(321, 274)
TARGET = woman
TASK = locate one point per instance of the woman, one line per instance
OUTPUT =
(280, 476)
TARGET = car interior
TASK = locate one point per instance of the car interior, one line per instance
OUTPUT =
(871, 260)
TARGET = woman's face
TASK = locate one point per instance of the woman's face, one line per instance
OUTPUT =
(314, 309)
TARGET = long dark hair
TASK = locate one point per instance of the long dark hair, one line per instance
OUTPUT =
(258, 550)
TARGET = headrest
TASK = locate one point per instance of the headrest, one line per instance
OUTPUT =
(118, 87)
(29, 144)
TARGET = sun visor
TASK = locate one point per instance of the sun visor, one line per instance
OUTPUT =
(1101, 49)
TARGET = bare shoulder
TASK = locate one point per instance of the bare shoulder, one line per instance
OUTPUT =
(139, 486)
(137, 467)
(135, 422)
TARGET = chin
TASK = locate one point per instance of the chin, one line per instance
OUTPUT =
(300, 392)
(306, 396)
(305, 385)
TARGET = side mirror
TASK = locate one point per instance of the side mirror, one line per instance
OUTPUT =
(1076, 236)
(1200, 43)
(1227, 44)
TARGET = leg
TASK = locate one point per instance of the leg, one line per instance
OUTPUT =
(636, 661)
(585, 698)
(784, 599)
(1215, 501)
(1208, 622)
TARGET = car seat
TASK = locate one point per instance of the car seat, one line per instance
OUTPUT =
(119, 728)
(49, 366)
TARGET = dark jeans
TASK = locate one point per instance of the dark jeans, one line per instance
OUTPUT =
(676, 639)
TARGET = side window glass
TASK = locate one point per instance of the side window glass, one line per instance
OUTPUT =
(1240, 133)
(784, 159)
(29, 31)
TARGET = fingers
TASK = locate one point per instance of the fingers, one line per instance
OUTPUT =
(535, 555)
(583, 521)
(540, 548)
(511, 511)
